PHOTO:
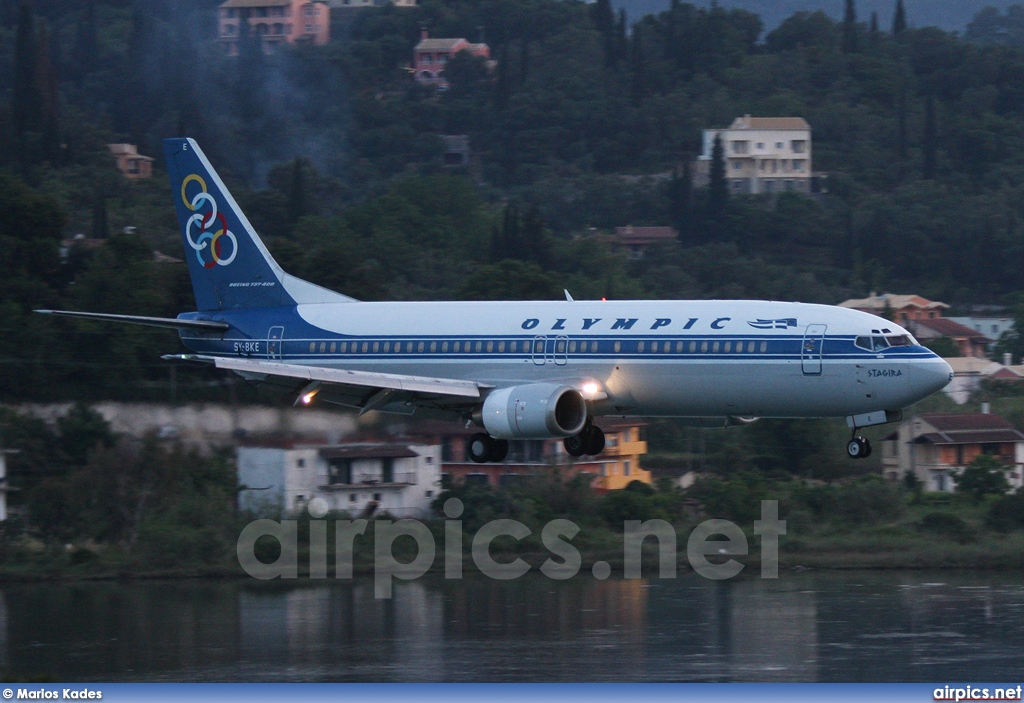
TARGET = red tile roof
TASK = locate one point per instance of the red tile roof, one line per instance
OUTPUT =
(948, 328)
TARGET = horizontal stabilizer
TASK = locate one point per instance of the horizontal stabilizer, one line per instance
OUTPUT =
(165, 322)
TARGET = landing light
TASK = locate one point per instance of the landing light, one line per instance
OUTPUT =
(591, 390)
(307, 394)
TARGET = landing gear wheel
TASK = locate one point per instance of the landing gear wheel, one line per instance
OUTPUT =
(858, 448)
(479, 448)
(593, 440)
(575, 446)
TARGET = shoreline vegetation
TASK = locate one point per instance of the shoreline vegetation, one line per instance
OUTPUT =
(93, 505)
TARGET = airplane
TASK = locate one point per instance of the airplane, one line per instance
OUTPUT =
(526, 369)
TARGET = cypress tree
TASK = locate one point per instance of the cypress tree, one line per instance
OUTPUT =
(100, 228)
(25, 100)
(620, 42)
(873, 31)
(930, 146)
(86, 45)
(899, 18)
(49, 101)
(603, 17)
(850, 28)
(681, 201)
(718, 186)
(535, 242)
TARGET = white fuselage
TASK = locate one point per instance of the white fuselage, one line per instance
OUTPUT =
(650, 358)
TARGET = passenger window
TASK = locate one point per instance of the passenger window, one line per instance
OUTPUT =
(344, 347)
(433, 347)
(398, 347)
(479, 347)
(419, 347)
(750, 348)
(376, 347)
(468, 347)
(501, 347)
(703, 347)
(728, 347)
(572, 347)
(490, 347)
(456, 347)
(693, 347)
(666, 347)
(639, 346)
(679, 347)
(366, 347)
(560, 346)
(764, 347)
(512, 346)
(654, 346)
(312, 347)
(323, 347)
(387, 346)
(714, 348)
(593, 347)
(444, 347)
(617, 347)
(334, 347)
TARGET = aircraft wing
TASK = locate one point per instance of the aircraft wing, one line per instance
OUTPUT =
(165, 322)
(366, 390)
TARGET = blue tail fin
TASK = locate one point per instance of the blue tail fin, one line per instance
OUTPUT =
(229, 265)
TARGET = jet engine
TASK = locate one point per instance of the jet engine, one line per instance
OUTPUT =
(534, 411)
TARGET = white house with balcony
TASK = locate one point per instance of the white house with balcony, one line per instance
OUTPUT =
(762, 155)
(361, 479)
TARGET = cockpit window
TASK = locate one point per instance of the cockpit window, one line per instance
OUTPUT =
(872, 343)
(900, 340)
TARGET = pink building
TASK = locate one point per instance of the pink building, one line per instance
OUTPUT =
(274, 22)
(431, 55)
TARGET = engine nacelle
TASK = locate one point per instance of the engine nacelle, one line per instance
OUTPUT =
(534, 411)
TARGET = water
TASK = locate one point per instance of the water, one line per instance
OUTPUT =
(856, 626)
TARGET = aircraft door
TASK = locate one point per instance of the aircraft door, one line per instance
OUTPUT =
(810, 351)
(540, 351)
(561, 350)
(275, 341)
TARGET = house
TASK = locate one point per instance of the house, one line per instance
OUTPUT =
(274, 22)
(968, 373)
(991, 327)
(431, 55)
(899, 308)
(363, 478)
(637, 239)
(613, 469)
(762, 155)
(936, 447)
(130, 162)
(345, 4)
(967, 340)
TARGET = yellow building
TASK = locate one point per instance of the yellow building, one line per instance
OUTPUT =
(620, 460)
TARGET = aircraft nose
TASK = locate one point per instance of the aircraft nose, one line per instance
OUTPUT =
(932, 375)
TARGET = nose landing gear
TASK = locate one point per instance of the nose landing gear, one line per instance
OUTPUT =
(858, 447)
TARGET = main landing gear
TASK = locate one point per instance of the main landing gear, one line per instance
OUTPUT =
(858, 447)
(483, 448)
(589, 441)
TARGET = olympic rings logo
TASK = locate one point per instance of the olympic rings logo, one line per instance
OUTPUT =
(204, 224)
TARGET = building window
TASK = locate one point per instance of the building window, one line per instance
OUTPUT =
(737, 165)
(778, 145)
(627, 468)
(351, 497)
(430, 494)
(339, 471)
(376, 497)
(799, 146)
(427, 58)
(760, 145)
(309, 10)
(739, 147)
(387, 470)
(300, 462)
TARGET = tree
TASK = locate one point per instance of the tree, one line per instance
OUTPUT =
(850, 28)
(718, 185)
(930, 143)
(681, 202)
(986, 475)
(25, 100)
(899, 19)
